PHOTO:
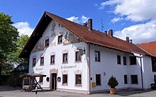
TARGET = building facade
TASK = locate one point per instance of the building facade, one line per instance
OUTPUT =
(74, 57)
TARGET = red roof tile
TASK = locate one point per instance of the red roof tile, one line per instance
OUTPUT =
(150, 47)
(93, 37)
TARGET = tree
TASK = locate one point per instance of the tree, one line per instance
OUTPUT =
(8, 38)
(14, 56)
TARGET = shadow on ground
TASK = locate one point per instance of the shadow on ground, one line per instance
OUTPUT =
(9, 88)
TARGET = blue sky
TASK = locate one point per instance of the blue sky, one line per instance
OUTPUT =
(133, 18)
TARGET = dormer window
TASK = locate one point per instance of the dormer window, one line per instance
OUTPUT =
(60, 39)
(46, 42)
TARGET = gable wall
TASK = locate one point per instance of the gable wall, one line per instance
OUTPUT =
(71, 68)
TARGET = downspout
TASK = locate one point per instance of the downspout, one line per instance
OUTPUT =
(89, 70)
(141, 74)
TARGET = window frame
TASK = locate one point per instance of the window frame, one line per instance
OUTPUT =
(134, 79)
(60, 41)
(132, 59)
(34, 62)
(76, 80)
(153, 64)
(40, 79)
(41, 60)
(78, 56)
(119, 59)
(63, 60)
(64, 81)
(97, 56)
(125, 79)
(51, 59)
(98, 81)
(46, 43)
(124, 60)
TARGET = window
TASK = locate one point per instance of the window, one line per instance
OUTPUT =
(134, 79)
(154, 64)
(98, 79)
(65, 58)
(133, 60)
(52, 59)
(118, 59)
(59, 39)
(77, 56)
(97, 56)
(124, 61)
(46, 42)
(78, 79)
(125, 79)
(65, 79)
(34, 62)
(42, 61)
(41, 79)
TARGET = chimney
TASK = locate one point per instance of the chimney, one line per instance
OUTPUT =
(127, 39)
(110, 33)
(90, 24)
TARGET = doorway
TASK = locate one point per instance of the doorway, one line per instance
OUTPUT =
(53, 81)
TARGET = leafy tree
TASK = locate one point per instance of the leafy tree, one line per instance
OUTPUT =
(8, 38)
(20, 45)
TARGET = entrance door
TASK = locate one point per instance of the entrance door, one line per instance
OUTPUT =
(53, 81)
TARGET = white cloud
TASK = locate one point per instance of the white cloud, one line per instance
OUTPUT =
(134, 10)
(109, 2)
(116, 20)
(73, 19)
(23, 28)
(139, 33)
(138, 11)
(83, 19)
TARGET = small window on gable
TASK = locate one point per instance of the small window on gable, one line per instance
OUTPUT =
(132, 60)
(118, 59)
(97, 56)
(34, 62)
(46, 42)
(77, 56)
(42, 61)
(52, 59)
(65, 57)
(60, 39)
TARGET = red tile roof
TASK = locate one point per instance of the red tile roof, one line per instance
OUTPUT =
(92, 37)
(150, 47)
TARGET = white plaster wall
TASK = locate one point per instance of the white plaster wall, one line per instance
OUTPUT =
(148, 75)
(58, 50)
(108, 64)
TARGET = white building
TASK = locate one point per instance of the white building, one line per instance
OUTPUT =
(74, 56)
